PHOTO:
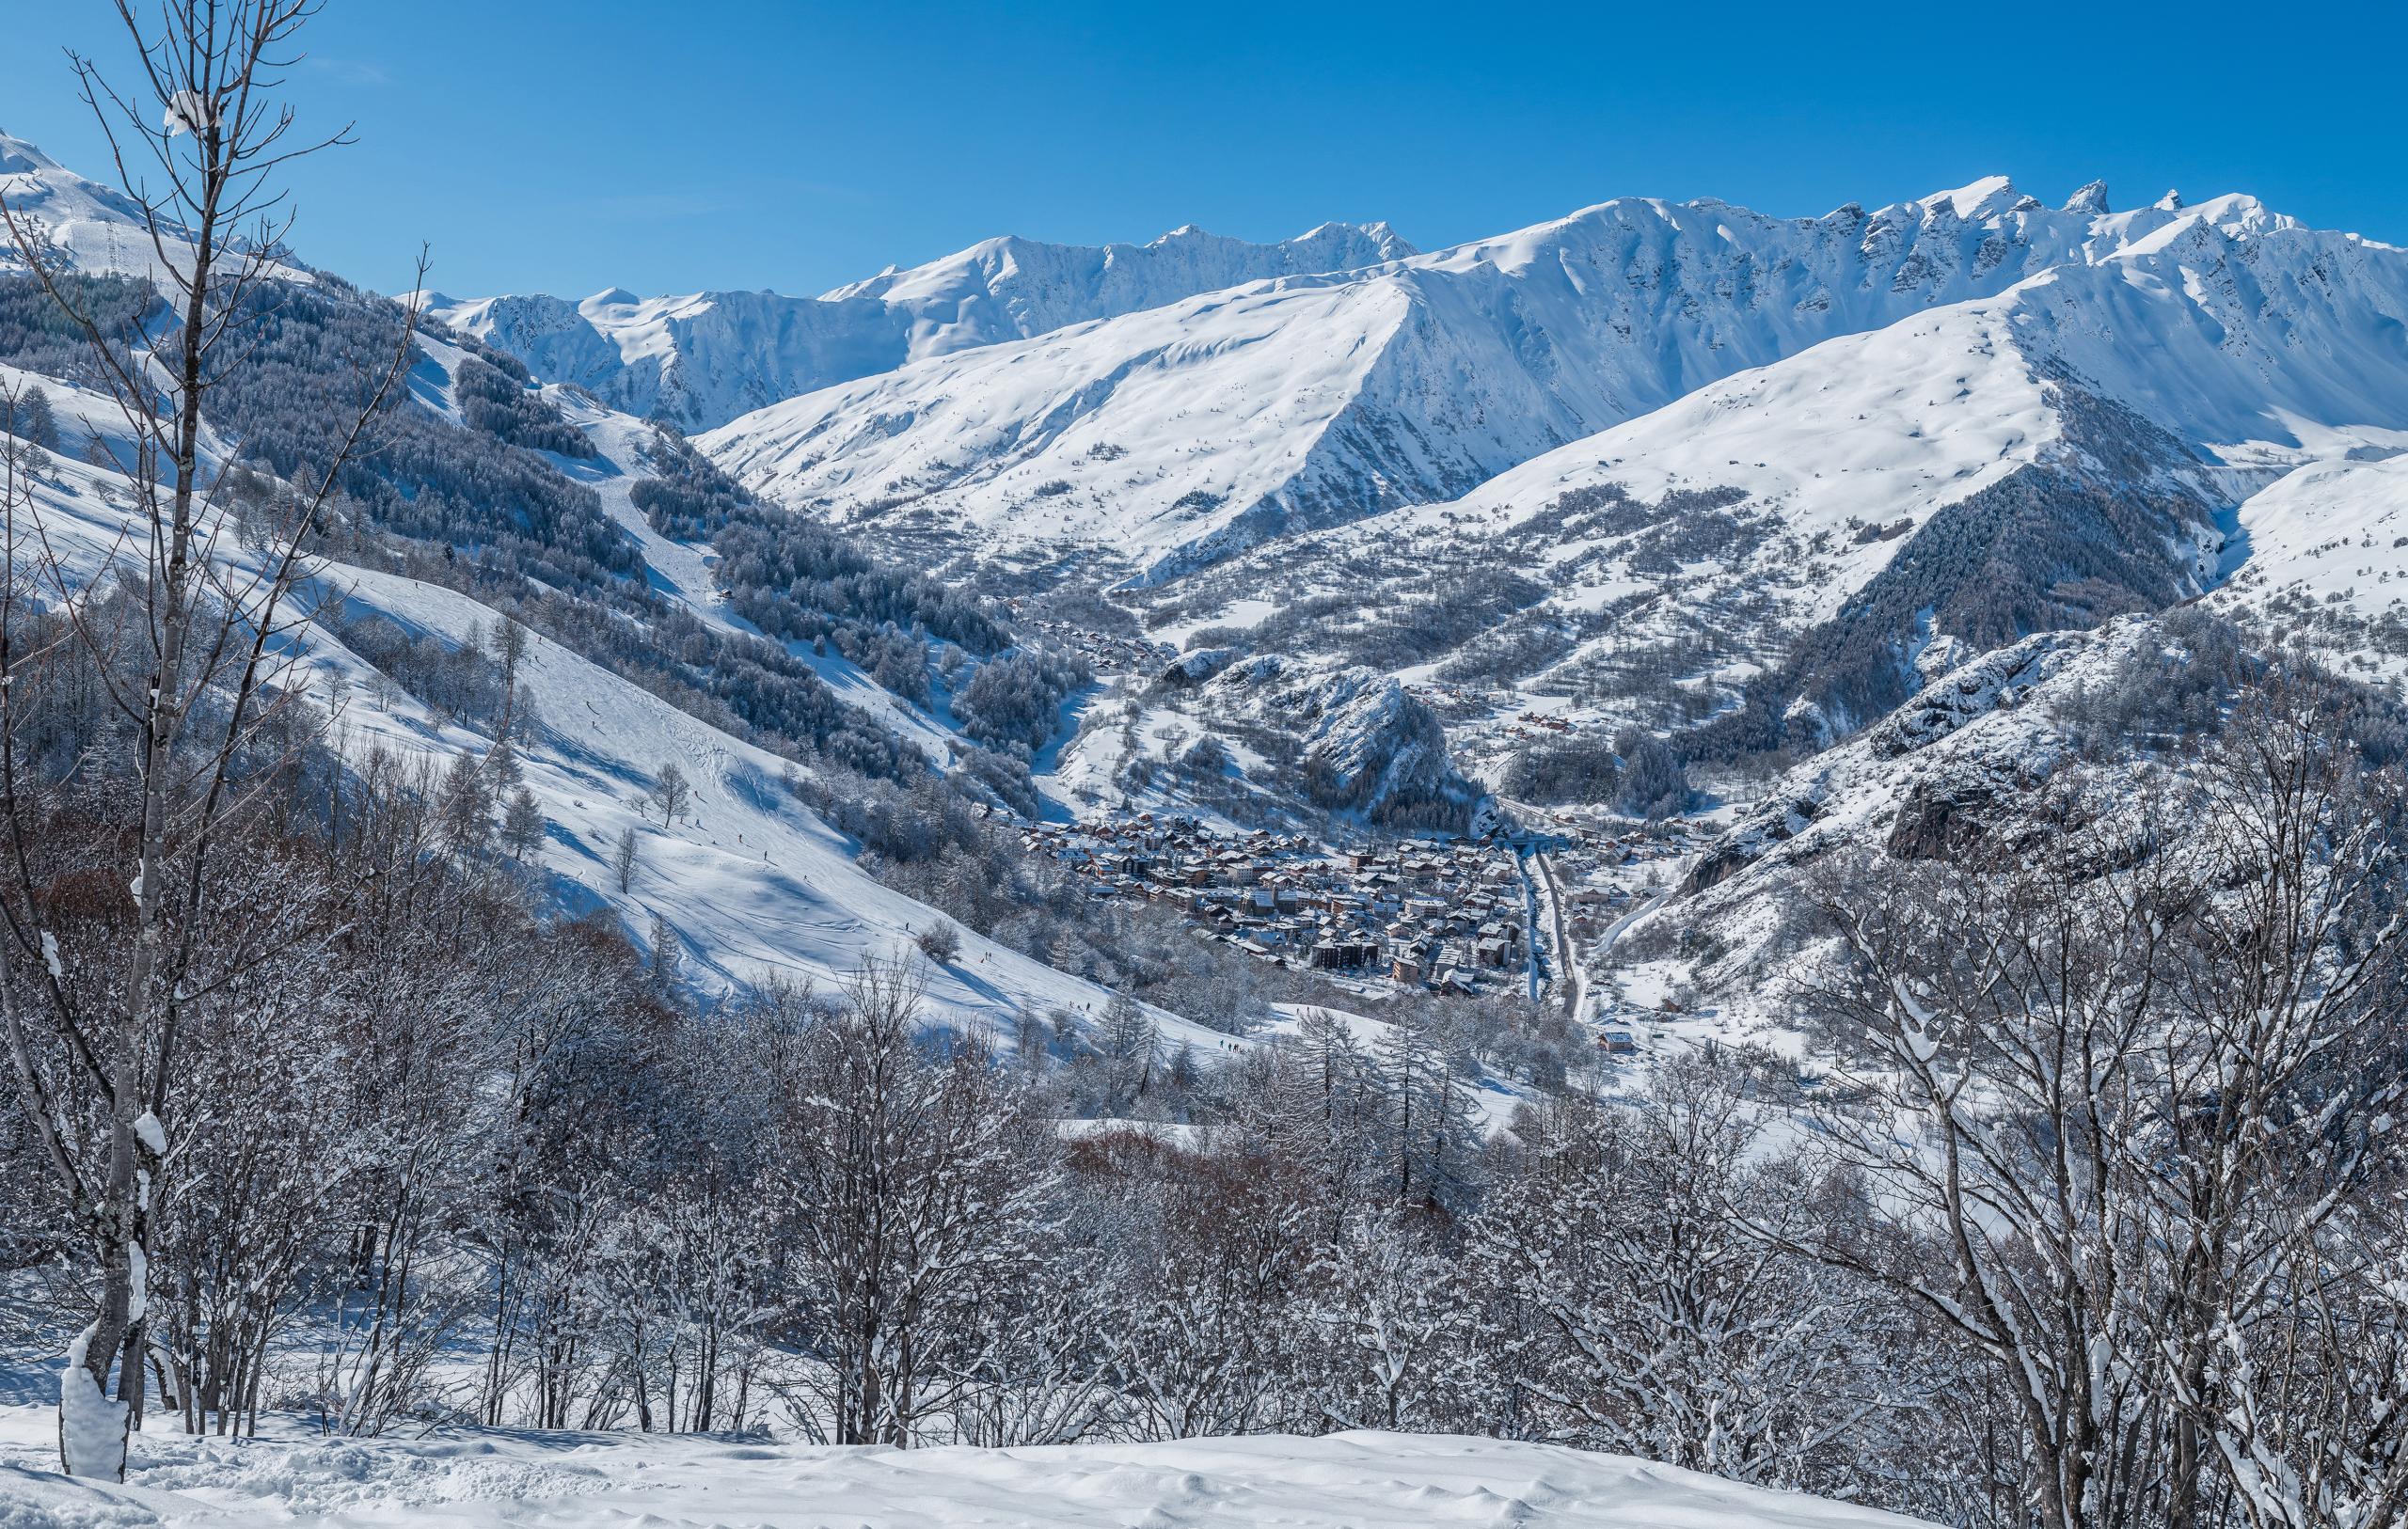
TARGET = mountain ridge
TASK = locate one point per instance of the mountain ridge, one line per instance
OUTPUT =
(699, 359)
(1179, 434)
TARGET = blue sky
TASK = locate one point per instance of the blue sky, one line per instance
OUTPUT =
(543, 146)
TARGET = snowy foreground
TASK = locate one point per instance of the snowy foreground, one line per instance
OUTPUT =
(1345, 1481)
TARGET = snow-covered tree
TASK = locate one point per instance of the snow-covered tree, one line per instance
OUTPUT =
(912, 1191)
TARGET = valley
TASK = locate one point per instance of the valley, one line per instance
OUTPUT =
(1679, 866)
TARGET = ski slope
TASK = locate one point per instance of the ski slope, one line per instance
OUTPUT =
(686, 573)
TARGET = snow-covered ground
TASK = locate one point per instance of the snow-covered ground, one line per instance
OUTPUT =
(478, 1479)
(1494, 1101)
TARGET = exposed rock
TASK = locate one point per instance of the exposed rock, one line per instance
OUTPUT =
(1193, 669)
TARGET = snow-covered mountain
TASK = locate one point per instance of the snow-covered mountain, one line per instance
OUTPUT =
(1683, 466)
(1783, 554)
(96, 227)
(87, 226)
(1232, 417)
(701, 360)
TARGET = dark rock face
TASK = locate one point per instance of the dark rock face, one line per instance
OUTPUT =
(1944, 819)
(1192, 669)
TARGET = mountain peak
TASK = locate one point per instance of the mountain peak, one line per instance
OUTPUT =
(2171, 202)
(18, 157)
(2091, 199)
(1977, 199)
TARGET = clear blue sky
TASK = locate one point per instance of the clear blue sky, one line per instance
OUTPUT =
(541, 145)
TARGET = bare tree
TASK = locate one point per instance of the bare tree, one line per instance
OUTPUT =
(671, 793)
(195, 679)
(2006, 1024)
(1647, 1318)
(915, 1189)
(2279, 1062)
(2120, 1096)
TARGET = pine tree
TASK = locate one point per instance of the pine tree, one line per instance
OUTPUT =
(509, 651)
(1127, 1042)
(1428, 1128)
(666, 955)
(522, 824)
(40, 426)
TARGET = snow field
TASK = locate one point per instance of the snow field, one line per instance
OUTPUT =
(485, 1480)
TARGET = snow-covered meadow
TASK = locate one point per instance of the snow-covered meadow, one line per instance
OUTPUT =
(491, 1479)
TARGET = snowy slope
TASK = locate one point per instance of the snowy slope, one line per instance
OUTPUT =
(754, 883)
(685, 571)
(474, 1479)
(1139, 434)
(701, 359)
(2322, 553)
(97, 228)
(1309, 400)
(2181, 373)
